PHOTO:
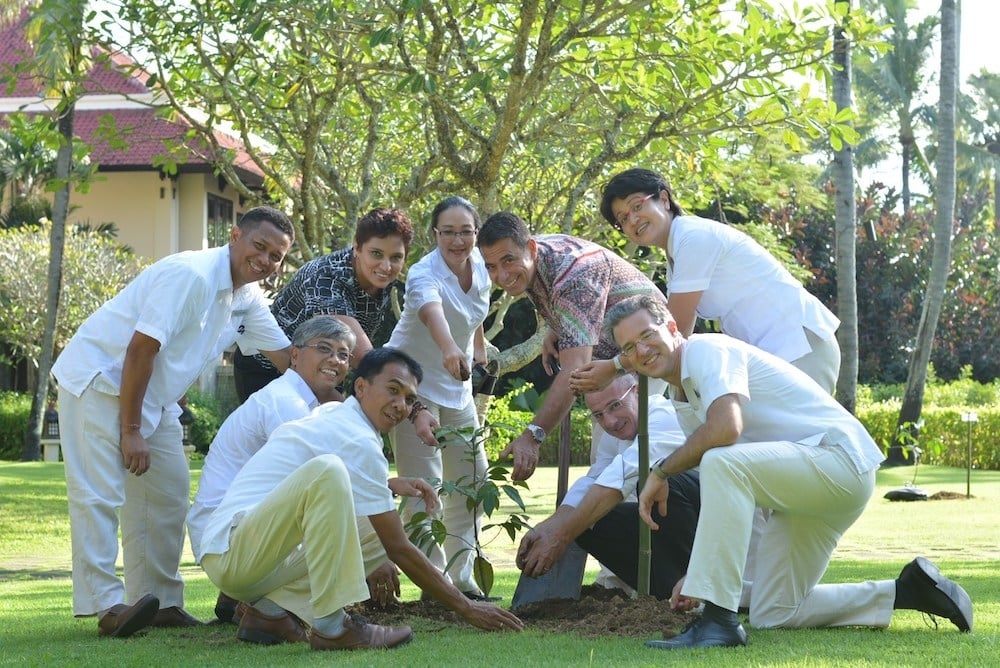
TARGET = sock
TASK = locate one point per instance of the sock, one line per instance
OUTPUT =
(331, 625)
(719, 614)
(268, 607)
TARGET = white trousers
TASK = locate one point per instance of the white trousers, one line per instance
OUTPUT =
(302, 546)
(451, 462)
(822, 363)
(152, 506)
(814, 494)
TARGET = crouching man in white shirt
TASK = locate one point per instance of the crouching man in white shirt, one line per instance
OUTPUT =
(307, 487)
(320, 360)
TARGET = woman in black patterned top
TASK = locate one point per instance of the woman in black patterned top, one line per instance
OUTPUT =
(354, 284)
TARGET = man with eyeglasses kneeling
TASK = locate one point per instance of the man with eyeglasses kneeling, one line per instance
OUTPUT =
(600, 511)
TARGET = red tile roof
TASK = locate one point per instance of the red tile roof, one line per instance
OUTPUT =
(148, 133)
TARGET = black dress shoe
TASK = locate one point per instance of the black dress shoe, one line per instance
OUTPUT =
(174, 616)
(704, 632)
(920, 586)
(225, 609)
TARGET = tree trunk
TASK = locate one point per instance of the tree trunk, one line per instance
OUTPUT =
(845, 227)
(944, 192)
(57, 237)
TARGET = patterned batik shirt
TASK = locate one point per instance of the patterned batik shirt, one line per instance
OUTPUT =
(327, 285)
(575, 283)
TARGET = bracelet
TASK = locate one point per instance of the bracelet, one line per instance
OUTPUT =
(417, 407)
(131, 427)
(657, 471)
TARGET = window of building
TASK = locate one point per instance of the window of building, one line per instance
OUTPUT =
(220, 220)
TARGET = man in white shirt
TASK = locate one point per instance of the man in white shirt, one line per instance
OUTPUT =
(285, 538)
(320, 359)
(764, 434)
(600, 511)
(120, 378)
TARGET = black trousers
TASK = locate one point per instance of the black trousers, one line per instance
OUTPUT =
(249, 375)
(614, 539)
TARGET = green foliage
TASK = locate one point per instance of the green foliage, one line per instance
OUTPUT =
(14, 409)
(208, 418)
(95, 268)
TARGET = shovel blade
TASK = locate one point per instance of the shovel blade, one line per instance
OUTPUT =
(564, 580)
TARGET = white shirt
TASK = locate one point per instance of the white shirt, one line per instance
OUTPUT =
(340, 429)
(617, 462)
(754, 298)
(244, 432)
(779, 402)
(186, 302)
(431, 281)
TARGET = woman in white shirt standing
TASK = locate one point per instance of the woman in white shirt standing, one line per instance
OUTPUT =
(447, 297)
(717, 272)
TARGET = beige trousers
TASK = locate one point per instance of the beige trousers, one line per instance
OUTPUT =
(302, 546)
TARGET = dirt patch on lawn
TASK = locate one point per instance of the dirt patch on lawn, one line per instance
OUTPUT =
(599, 612)
(946, 496)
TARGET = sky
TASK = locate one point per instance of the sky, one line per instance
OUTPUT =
(977, 49)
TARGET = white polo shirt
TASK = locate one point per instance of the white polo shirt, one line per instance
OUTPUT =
(779, 402)
(617, 463)
(430, 280)
(244, 432)
(186, 302)
(754, 298)
(340, 429)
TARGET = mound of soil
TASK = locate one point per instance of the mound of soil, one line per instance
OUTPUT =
(944, 496)
(599, 612)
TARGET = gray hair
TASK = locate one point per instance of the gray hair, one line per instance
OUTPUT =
(627, 307)
(323, 326)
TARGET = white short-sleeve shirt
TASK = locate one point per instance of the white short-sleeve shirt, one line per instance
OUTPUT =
(754, 298)
(243, 433)
(186, 302)
(617, 463)
(340, 429)
(778, 401)
(428, 281)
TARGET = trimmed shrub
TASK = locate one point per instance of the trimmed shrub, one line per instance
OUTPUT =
(14, 410)
(207, 411)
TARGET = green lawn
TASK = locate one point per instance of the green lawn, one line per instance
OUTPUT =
(962, 535)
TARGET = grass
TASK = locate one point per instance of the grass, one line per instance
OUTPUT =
(961, 535)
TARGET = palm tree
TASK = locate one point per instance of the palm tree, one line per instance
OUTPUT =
(944, 195)
(896, 79)
(55, 30)
(982, 151)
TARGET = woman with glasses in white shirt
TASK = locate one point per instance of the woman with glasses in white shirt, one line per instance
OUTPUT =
(447, 298)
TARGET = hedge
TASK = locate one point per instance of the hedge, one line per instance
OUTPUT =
(14, 410)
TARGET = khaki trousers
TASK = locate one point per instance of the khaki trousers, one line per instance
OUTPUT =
(302, 546)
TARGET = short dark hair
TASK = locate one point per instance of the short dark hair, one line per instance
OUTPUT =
(383, 222)
(453, 201)
(632, 181)
(266, 214)
(504, 225)
(324, 326)
(372, 364)
(623, 309)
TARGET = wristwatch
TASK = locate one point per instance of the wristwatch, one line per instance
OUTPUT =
(619, 367)
(536, 432)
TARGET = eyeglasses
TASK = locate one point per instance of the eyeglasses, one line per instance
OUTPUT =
(633, 209)
(613, 407)
(451, 234)
(645, 339)
(327, 351)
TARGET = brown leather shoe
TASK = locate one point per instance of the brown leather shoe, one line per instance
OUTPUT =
(362, 635)
(122, 621)
(173, 616)
(263, 629)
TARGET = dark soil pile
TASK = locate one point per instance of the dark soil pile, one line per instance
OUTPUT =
(945, 496)
(599, 612)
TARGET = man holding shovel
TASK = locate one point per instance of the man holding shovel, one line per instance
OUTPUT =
(600, 511)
